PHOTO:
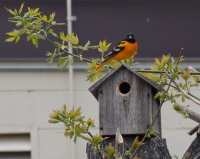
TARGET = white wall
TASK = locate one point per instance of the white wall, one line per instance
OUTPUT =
(27, 98)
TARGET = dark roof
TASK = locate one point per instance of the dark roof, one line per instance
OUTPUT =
(93, 89)
(159, 26)
(24, 50)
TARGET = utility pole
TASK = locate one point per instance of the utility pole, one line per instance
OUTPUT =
(69, 21)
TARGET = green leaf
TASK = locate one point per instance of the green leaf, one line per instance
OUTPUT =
(34, 41)
(21, 8)
(93, 74)
(11, 39)
(73, 38)
(186, 74)
(44, 18)
(85, 47)
(136, 143)
(109, 151)
(96, 140)
(54, 115)
(62, 36)
(51, 32)
(12, 12)
(14, 36)
(13, 33)
(50, 57)
(52, 16)
(151, 132)
(63, 61)
(17, 39)
(103, 46)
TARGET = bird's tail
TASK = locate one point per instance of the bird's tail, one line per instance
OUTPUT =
(99, 66)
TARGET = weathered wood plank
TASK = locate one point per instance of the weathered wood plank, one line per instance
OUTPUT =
(156, 112)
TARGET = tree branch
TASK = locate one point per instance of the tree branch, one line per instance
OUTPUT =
(191, 114)
(79, 57)
(186, 94)
(159, 72)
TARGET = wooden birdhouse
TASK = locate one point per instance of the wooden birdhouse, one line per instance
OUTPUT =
(126, 101)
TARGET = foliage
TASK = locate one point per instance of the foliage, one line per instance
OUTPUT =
(36, 26)
(75, 123)
(109, 151)
(77, 126)
(32, 24)
(103, 47)
(176, 82)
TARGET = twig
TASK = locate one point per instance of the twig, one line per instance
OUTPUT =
(78, 57)
(160, 72)
(90, 134)
(194, 96)
(195, 129)
(190, 96)
(68, 53)
(185, 94)
(191, 114)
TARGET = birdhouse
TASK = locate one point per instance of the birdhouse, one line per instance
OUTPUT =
(126, 101)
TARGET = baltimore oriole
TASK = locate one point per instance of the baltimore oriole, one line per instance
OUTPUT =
(127, 48)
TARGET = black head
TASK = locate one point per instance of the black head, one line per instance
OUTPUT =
(130, 38)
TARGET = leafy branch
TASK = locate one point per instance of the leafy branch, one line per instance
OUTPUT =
(179, 82)
(176, 84)
(36, 26)
(76, 125)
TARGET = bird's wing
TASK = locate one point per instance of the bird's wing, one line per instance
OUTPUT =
(115, 50)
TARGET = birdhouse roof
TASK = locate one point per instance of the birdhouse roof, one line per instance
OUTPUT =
(94, 88)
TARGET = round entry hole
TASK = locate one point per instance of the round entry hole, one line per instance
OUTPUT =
(124, 88)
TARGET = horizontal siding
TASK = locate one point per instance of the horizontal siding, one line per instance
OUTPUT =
(28, 98)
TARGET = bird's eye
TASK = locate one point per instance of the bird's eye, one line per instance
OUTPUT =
(130, 37)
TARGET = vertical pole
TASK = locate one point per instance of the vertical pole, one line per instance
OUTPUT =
(71, 71)
(69, 31)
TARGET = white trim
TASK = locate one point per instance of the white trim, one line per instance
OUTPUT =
(44, 66)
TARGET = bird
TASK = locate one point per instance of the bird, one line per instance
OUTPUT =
(126, 48)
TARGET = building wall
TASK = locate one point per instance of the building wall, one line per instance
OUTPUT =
(27, 98)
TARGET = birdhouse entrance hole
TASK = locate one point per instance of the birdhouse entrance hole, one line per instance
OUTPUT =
(124, 88)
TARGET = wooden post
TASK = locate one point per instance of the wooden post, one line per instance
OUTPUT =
(154, 148)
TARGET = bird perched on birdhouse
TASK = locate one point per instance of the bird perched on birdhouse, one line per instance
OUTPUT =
(127, 48)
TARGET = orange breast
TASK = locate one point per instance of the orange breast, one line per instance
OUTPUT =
(129, 51)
